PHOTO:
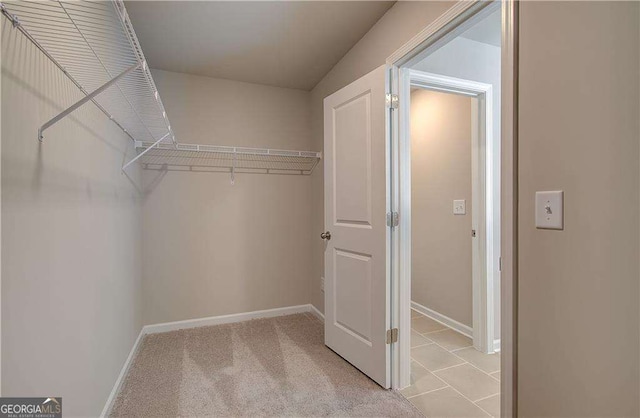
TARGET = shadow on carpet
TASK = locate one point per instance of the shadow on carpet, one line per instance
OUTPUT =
(264, 367)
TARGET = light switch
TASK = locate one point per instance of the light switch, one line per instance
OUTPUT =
(550, 210)
(459, 207)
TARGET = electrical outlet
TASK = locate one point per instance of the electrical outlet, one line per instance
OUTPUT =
(322, 283)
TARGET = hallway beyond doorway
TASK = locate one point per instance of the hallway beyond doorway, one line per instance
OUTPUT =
(449, 377)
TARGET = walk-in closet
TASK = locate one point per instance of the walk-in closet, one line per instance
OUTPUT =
(319, 208)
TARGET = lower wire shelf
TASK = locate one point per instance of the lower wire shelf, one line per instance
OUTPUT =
(192, 157)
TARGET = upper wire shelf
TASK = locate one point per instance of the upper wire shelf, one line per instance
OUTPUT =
(228, 159)
(94, 44)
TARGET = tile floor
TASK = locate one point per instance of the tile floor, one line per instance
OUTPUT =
(450, 378)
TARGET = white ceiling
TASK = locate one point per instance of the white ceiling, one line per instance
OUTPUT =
(487, 31)
(280, 43)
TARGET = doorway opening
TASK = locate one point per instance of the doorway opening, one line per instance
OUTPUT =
(455, 215)
(367, 172)
(454, 305)
(447, 169)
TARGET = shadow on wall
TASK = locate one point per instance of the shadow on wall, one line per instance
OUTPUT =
(71, 238)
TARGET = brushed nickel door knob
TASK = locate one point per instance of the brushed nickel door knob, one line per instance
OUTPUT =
(326, 235)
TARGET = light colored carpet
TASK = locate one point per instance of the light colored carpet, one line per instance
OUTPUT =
(266, 367)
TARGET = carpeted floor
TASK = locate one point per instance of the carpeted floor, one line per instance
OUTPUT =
(267, 367)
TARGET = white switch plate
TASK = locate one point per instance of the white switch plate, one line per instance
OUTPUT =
(322, 283)
(550, 210)
(459, 207)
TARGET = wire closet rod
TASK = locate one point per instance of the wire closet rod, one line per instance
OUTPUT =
(232, 150)
(227, 158)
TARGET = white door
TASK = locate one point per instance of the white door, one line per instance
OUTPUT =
(356, 283)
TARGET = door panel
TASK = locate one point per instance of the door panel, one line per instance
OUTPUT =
(356, 283)
(353, 293)
(352, 156)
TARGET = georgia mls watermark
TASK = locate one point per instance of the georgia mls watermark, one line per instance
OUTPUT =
(30, 407)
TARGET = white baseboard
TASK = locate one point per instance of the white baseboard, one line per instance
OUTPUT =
(195, 323)
(224, 319)
(317, 312)
(444, 320)
(496, 345)
(125, 369)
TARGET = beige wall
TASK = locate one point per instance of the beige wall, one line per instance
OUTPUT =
(402, 22)
(578, 288)
(212, 248)
(71, 276)
(440, 173)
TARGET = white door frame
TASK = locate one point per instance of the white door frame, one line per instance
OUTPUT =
(484, 181)
(454, 21)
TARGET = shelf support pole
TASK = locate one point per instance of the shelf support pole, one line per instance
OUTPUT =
(85, 99)
(145, 151)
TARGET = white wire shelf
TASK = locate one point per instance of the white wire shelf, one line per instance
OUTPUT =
(194, 157)
(94, 44)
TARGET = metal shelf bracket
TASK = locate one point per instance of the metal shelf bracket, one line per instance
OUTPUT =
(15, 22)
(84, 100)
(233, 168)
(145, 151)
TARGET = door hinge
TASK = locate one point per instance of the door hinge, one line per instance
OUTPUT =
(392, 335)
(393, 219)
(392, 101)
(473, 233)
(499, 263)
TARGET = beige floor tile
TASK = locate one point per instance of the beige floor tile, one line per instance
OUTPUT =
(434, 357)
(491, 405)
(422, 324)
(487, 362)
(495, 375)
(422, 381)
(450, 339)
(446, 403)
(471, 382)
(415, 314)
(419, 339)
